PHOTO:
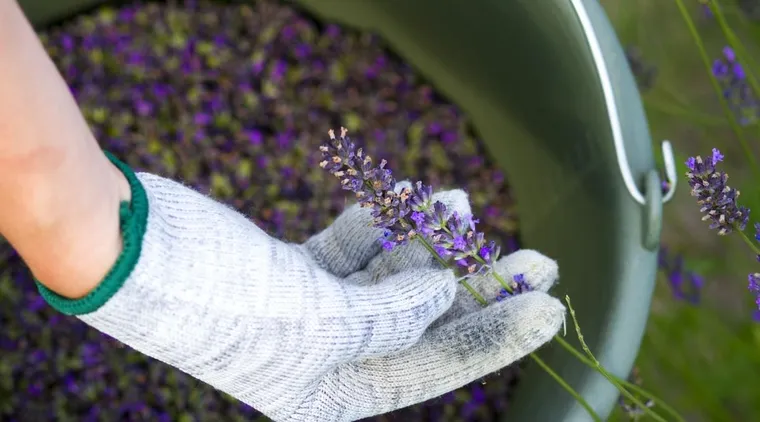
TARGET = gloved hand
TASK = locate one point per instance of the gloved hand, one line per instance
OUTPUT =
(331, 330)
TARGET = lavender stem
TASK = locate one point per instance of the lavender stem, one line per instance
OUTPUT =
(625, 383)
(749, 242)
(602, 370)
(466, 285)
(567, 387)
(496, 275)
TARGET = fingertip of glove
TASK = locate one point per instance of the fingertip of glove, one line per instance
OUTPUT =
(539, 271)
(436, 282)
(539, 313)
(455, 200)
(348, 244)
(445, 277)
(423, 294)
(505, 331)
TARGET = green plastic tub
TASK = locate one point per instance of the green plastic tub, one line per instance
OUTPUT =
(549, 89)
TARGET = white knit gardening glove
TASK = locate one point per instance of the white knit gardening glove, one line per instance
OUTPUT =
(332, 330)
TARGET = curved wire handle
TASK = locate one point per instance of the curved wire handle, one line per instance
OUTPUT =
(670, 173)
(614, 117)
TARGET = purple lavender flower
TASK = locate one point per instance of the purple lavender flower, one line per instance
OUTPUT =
(409, 212)
(685, 285)
(736, 90)
(707, 14)
(519, 285)
(718, 202)
(754, 287)
(633, 411)
(717, 199)
(696, 283)
(754, 282)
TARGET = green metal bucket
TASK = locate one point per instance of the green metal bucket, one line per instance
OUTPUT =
(547, 85)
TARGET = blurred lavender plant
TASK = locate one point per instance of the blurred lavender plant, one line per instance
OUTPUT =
(705, 13)
(672, 267)
(684, 284)
(644, 72)
(754, 288)
(754, 278)
(750, 8)
(718, 202)
(736, 89)
(633, 411)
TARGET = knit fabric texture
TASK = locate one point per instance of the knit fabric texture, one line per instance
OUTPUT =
(331, 330)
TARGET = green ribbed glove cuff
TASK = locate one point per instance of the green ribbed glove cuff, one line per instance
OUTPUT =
(132, 220)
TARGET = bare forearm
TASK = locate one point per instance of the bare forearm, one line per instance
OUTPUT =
(59, 194)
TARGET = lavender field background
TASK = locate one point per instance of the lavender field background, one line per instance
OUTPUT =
(701, 351)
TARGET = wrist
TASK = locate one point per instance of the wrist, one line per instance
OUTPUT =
(66, 225)
(92, 294)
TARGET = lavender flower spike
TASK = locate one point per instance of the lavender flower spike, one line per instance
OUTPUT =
(717, 199)
(754, 279)
(409, 213)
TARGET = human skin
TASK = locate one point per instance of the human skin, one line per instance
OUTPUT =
(59, 194)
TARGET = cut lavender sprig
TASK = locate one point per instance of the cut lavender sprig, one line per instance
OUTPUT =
(409, 213)
(737, 91)
(717, 199)
(719, 204)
